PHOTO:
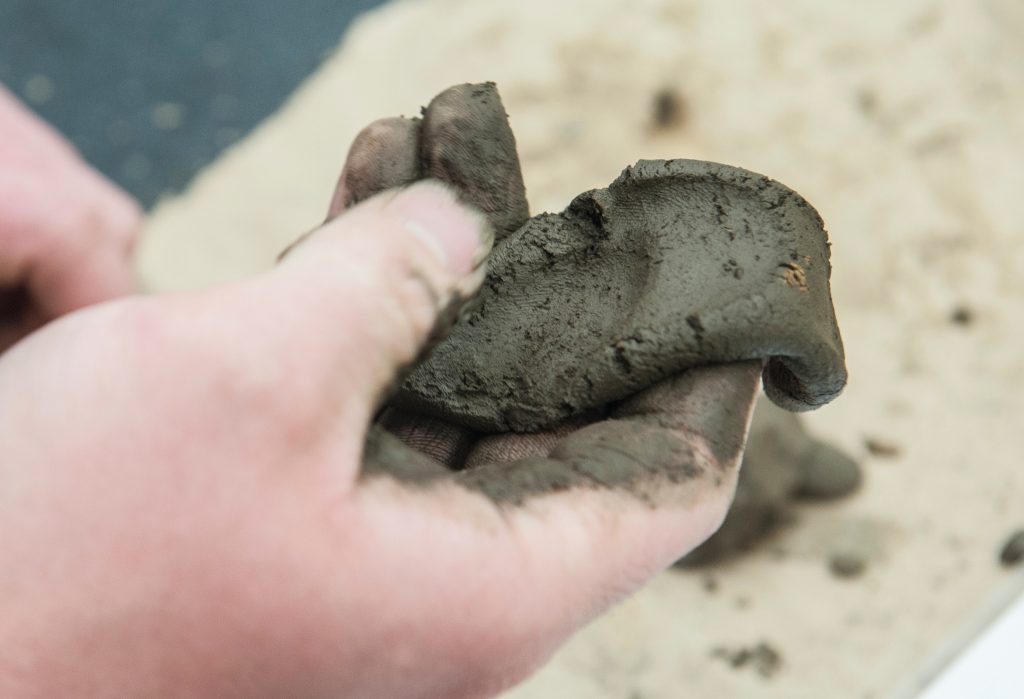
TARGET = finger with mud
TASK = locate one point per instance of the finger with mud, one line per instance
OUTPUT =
(467, 142)
(383, 155)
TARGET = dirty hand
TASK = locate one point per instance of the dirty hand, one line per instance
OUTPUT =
(66, 233)
(185, 509)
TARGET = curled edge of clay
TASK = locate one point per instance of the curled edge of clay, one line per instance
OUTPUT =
(813, 373)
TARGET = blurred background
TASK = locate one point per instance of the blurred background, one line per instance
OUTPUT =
(902, 122)
(152, 90)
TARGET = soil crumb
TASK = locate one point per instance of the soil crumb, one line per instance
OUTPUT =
(668, 109)
(1012, 552)
(581, 309)
(961, 315)
(669, 274)
(882, 448)
(763, 658)
(847, 565)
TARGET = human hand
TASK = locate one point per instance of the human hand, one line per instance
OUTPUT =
(66, 233)
(186, 509)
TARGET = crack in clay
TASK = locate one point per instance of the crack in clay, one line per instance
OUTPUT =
(672, 268)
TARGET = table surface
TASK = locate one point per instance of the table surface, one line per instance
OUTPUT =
(990, 665)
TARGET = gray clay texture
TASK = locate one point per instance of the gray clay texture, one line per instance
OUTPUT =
(676, 264)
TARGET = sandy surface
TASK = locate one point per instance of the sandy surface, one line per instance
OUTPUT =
(902, 122)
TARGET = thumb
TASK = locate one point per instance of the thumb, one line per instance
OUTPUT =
(365, 292)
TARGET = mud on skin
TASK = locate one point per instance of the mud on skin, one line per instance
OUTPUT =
(680, 268)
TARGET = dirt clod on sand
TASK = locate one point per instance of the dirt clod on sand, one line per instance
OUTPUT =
(1012, 552)
(882, 448)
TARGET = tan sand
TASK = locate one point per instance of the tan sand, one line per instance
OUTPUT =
(903, 122)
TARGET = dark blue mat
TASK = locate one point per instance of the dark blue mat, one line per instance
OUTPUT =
(152, 90)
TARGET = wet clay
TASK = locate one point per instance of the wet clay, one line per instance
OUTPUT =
(845, 564)
(782, 465)
(677, 264)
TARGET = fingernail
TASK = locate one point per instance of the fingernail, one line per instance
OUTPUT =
(459, 236)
